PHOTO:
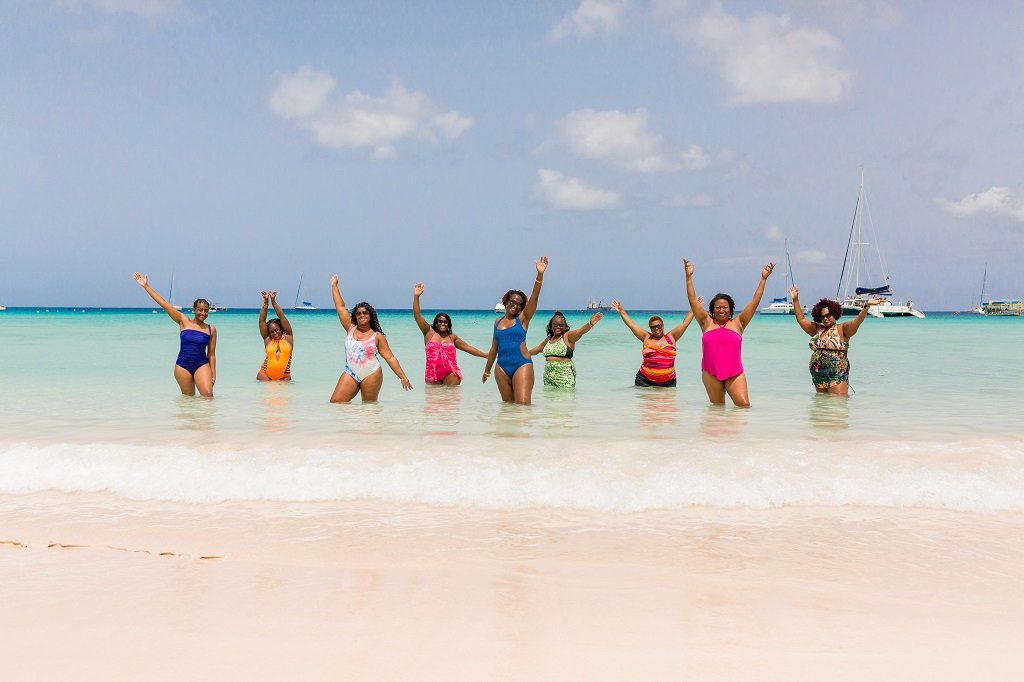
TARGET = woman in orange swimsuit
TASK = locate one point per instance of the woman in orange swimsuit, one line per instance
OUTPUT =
(440, 343)
(278, 341)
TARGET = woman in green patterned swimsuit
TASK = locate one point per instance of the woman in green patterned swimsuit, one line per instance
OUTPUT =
(559, 370)
(830, 341)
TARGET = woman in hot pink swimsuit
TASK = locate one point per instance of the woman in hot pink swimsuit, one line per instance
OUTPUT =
(440, 343)
(722, 342)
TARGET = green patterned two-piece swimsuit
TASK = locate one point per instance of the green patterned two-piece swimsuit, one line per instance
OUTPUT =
(560, 374)
(829, 364)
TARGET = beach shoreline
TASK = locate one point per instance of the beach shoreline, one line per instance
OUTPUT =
(361, 590)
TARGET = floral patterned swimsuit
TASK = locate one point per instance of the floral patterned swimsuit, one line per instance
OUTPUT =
(360, 356)
(829, 364)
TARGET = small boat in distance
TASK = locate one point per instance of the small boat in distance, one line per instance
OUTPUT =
(853, 263)
(595, 306)
(1004, 308)
(215, 308)
(2, 307)
(499, 308)
(782, 305)
(300, 302)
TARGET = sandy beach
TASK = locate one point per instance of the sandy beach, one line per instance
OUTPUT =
(96, 588)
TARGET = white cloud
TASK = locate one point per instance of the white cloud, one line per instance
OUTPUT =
(621, 138)
(810, 257)
(774, 233)
(764, 58)
(356, 120)
(154, 11)
(998, 201)
(592, 18)
(695, 158)
(570, 194)
(700, 200)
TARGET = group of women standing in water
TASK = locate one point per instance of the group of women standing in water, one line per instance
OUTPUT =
(365, 343)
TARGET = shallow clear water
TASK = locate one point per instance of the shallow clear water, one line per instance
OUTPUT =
(89, 403)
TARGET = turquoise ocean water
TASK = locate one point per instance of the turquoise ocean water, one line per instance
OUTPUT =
(89, 404)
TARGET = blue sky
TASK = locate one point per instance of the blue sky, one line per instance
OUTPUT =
(454, 142)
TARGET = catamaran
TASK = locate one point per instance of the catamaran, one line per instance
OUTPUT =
(783, 305)
(306, 305)
(852, 267)
(1004, 308)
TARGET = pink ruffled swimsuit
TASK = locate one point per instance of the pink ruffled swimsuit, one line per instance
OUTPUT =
(722, 348)
(441, 362)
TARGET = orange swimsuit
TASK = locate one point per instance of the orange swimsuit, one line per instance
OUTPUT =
(278, 364)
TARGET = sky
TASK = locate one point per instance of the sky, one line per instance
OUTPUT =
(244, 144)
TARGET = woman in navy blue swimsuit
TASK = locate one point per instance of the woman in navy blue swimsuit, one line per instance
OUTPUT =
(515, 368)
(196, 366)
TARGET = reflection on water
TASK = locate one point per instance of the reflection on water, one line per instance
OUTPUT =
(557, 414)
(657, 406)
(719, 421)
(441, 410)
(276, 402)
(514, 420)
(829, 411)
(195, 414)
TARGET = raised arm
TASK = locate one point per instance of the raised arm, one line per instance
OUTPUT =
(747, 314)
(264, 332)
(286, 327)
(339, 304)
(176, 315)
(696, 303)
(576, 334)
(679, 329)
(384, 350)
(531, 305)
(467, 348)
(850, 328)
(491, 355)
(637, 331)
(417, 291)
(798, 311)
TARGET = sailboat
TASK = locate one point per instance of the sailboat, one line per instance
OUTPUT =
(1005, 308)
(783, 305)
(170, 293)
(852, 267)
(305, 305)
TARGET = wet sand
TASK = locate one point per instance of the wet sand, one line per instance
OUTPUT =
(96, 587)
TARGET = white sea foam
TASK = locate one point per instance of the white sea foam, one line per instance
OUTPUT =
(622, 477)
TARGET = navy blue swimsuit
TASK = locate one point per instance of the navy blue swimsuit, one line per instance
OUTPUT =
(192, 355)
(510, 347)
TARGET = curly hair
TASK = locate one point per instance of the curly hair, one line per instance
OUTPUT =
(442, 316)
(722, 297)
(550, 328)
(374, 322)
(196, 302)
(275, 320)
(510, 293)
(833, 306)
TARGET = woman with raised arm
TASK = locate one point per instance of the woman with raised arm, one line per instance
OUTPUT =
(830, 341)
(278, 341)
(196, 365)
(558, 347)
(658, 368)
(515, 368)
(440, 344)
(721, 366)
(364, 341)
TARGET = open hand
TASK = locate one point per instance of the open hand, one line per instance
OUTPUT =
(688, 268)
(595, 318)
(273, 295)
(142, 280)
(334, 280)
(793, 293)
(266, 297)
(767, 270)
(417, 289)
(406, 384)
(541, 264)
(617, 305)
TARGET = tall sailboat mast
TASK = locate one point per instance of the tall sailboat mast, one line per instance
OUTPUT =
(298, 292)
(984, 281)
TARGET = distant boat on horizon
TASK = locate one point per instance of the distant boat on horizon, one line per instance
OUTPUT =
(1003, 308)
(499, 308)
(850, 276)
(595, 306)
(783, 305)
(305, 305)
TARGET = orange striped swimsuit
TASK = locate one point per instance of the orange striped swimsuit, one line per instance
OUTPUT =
(659, 364)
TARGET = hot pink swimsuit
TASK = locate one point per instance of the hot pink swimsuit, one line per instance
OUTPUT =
(722, 353)
(440, 361)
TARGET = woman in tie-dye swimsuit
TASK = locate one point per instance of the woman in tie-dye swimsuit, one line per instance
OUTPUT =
(364, 342)
(830, 341)
(659, 352)
(439, 344)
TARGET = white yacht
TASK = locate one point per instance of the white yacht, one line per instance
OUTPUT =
(300, 300)
(854, 267)
(783, 305)
(595, 306)
(1004, 308)
(499, 308)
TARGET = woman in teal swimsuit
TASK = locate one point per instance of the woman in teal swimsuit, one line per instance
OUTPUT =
(515, 368)
(558, 347)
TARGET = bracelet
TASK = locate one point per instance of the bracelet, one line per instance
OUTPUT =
(539, 281)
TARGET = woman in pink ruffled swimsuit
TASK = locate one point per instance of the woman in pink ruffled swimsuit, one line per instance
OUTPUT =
(440, 343)
(721, 367)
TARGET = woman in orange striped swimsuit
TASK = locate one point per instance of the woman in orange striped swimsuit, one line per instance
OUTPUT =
(278, 341)
(659, 364)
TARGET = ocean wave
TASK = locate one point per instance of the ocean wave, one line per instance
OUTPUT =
(629, 476)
